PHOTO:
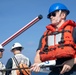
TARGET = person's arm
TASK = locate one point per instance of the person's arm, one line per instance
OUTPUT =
(74, 60)
(67, 66)
(37, 57)
(9, 66)
(37, 60)
(70, 63)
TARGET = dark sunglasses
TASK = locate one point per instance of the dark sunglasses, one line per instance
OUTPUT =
(1, 50)
(52, 14)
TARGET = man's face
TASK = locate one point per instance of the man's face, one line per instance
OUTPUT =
(55, 17)
(1, 53)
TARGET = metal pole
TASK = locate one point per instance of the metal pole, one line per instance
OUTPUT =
(21, 30)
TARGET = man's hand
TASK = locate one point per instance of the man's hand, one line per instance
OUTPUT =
(35, 67)
(67, 66)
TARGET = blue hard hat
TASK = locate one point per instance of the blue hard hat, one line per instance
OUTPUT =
(57, 6)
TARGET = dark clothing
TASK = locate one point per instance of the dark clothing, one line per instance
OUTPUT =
(56, 71)
(40, 43)
(9, 66)
(74, 34)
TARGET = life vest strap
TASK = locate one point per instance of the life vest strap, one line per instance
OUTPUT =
(61, 46)
(56, 32)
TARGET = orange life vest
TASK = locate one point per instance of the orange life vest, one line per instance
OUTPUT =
(64, 48)
(23, 71)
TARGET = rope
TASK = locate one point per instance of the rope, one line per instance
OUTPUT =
(14, 69)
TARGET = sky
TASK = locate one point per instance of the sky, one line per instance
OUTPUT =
(14, 14)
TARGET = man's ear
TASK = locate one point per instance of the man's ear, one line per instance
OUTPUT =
(63, 15)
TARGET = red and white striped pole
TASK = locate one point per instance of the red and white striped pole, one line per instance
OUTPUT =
(21, 30)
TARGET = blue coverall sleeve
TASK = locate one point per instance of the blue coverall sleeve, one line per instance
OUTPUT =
(8, 66)
(40, 44)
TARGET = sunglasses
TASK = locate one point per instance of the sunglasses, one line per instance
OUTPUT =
(1, 50)
(52, 14)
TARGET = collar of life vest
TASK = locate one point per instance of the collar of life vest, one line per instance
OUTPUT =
(51, 27)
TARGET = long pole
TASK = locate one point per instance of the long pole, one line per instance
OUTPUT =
(21, 30)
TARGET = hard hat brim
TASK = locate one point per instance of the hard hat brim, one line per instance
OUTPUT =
(48, 16)
(17, 49)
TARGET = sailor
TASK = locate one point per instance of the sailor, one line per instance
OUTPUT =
(58, 42)
(2, 66)
(16, 60)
